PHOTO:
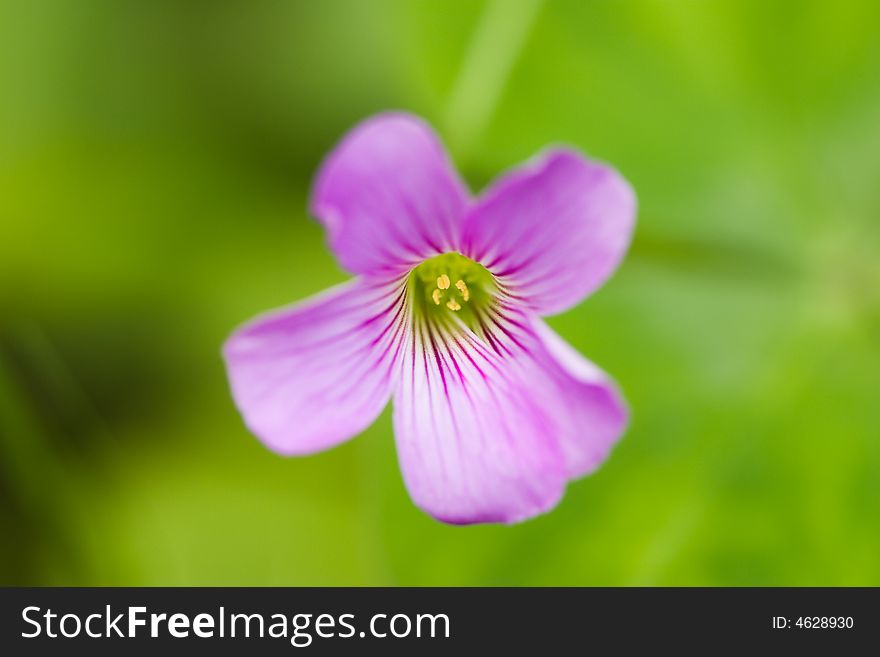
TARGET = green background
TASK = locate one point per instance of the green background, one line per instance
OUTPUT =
(155, 163)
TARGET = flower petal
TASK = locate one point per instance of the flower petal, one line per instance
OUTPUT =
(595, 412)
(308, 377)
(473, 444)
(554, 231)
(389, 196)
(491, 425)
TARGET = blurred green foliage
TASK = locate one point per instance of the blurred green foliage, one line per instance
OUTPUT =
(155, 161)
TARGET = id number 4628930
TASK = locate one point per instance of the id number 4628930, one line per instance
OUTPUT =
(814, 623)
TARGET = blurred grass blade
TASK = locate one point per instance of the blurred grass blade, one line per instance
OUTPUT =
(497, 42)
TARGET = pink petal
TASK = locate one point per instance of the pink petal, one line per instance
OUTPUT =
(389, 196)
(595, 412)
(491, 425)
(552, 231)
(473, 444)
(310, 376)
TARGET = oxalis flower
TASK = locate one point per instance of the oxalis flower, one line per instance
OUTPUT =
(493, 412)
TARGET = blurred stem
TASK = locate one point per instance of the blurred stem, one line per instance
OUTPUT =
(28, 459)
(35, 474)
(370, 466)
(493, 50)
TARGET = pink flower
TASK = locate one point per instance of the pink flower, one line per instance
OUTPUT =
(493, 412)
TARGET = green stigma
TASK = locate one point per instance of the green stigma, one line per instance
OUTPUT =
(449, 287)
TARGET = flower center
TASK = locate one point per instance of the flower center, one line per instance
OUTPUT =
(451, 287)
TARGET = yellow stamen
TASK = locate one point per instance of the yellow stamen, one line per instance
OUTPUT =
(443, 282)
(462, 287)
(452, 304)
(436, 297)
